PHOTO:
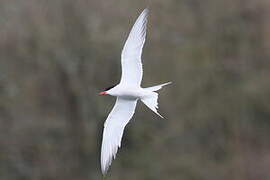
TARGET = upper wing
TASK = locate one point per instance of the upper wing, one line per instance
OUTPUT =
(132, 51)
(120, 115)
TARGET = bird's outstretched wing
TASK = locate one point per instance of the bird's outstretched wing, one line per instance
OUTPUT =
(118, 118)
(131, 54)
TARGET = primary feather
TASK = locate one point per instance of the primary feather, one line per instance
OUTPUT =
(120, 115)
(131, 54)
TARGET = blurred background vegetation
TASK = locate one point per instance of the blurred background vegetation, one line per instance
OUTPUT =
(55, 56)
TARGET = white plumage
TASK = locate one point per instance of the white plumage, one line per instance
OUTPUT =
(128, 92)
(131, 54)
(120, 115)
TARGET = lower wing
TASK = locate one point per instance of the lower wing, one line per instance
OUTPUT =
(118, 118)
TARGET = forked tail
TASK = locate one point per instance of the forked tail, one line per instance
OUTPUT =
(158, 87)
(152, 100)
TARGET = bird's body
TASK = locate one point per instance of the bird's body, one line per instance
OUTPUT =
(128, 92)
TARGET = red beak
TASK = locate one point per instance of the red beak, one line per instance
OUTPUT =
(103, 93)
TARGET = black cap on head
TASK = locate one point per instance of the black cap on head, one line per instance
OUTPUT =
(107, 89)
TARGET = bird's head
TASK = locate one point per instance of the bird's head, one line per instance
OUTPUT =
(106, 91)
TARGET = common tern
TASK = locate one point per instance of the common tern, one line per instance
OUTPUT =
(128, 92)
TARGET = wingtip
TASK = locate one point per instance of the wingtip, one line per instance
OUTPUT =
(104, 173)
(159, 115)
(145, 11)
(104, 170)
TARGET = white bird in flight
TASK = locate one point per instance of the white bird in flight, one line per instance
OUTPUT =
(128, 92)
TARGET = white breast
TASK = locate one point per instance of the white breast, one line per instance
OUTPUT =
(129, 92)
